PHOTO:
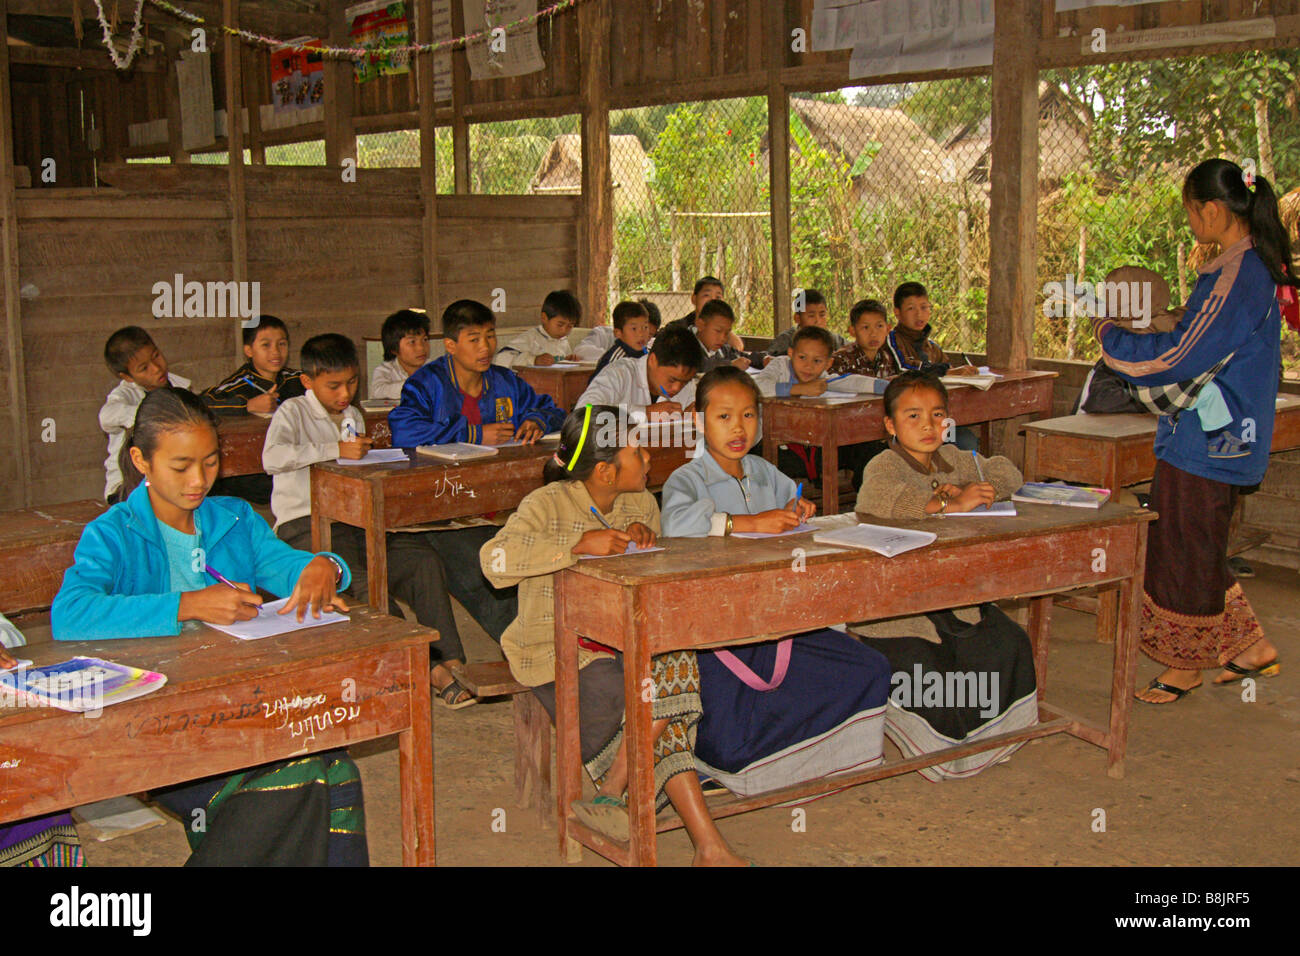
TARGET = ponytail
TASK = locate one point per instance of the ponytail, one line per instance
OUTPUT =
(1222, 181)
(585, 442)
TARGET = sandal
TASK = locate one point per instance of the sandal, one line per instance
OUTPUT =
(1178, 692)
(1271, 669)
(604, 814)
(449, 696)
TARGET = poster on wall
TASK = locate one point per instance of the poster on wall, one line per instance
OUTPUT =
(379, 26)
(194, 81)
(297, 75)
(505, 51)
(903, 36)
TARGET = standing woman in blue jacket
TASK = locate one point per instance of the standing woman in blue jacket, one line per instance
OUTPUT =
(1194, 614)
(139, 571)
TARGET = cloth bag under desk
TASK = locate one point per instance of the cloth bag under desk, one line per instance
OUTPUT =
(995, 644)
(826, 715)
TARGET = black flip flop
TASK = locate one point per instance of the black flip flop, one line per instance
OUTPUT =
(1271, 669)
(1178, 692)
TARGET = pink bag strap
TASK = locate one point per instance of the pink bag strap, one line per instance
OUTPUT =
(738, 667)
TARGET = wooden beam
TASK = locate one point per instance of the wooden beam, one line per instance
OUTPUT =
(91, 58)
(778, 136)
(230, 47)
(1013, 184)
(459, 100)
(428, 161)
(15, 369)
(596, 230)
(340, 85)
(258, 18)
(60, 142)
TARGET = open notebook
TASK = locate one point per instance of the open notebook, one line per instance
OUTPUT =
(871, 537)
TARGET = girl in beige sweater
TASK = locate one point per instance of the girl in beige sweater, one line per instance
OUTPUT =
(920, 475)
(594, 503)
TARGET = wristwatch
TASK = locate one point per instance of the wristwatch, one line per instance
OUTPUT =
(943, 501)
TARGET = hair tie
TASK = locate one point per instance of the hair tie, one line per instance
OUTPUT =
(1248, 179)
(586, 423)
(558, 460)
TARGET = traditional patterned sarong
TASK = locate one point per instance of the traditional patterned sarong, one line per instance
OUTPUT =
(676, 678)
(304, 812)
(43, 841)
(1194, 613)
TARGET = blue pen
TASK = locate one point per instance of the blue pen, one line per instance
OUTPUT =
(254, 384)
(664, 393)
(220, 577)
(838, 377)
(798, 493)
(601, 518)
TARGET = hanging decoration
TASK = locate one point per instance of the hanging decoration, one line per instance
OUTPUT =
(358, 53)
(122, 61)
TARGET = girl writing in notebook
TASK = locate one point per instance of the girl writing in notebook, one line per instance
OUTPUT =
(594, 503)
(918, 474)
(148, 567)
(779, 712)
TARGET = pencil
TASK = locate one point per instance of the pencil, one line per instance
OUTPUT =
(978, 470)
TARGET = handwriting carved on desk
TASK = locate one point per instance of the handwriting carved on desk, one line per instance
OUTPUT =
(449, 484)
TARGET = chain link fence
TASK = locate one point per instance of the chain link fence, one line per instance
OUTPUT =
(1116, 142)
(505, 158)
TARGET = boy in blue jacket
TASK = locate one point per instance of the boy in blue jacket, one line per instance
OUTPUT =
(463, 397)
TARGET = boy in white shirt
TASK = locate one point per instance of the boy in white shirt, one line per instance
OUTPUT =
(323, 425)
(134, 358)
(549, 340)
(652, 386)
(405, 335)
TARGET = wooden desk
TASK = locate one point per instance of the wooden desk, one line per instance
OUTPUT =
(421, 490)
(215, 715)
(564, 385)
(1112, 451)
(814, 421)
(36, 547)
(242, 438)
(708, 592)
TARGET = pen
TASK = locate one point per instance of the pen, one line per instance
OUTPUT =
(665, 393)
(838, 377)
(798, 493)
(978, 470)
(220, 577)
(601, 518)
(254, 384)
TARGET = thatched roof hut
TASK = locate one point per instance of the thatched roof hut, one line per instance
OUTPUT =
(1063, 129)
(560, 171)
(905, 155)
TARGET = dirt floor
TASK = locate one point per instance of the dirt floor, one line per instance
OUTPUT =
(1211, 780)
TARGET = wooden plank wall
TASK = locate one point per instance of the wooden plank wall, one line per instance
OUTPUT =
(331, 257)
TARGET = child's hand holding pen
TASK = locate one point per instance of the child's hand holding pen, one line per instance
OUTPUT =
(977, 494)
(356, 449)
(801, 507)
(223, 603)
(264, 403)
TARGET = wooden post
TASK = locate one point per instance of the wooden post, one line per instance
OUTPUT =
(19, 495)
(172, 45)
(253, 81)
(597, 228)
(1013, 200)
(235, 165)
(340, 136)
(428, 159)
(459, 97)
(1013, 185)
(778, 138)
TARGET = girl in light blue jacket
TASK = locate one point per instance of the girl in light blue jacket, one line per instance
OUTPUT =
(145, 568)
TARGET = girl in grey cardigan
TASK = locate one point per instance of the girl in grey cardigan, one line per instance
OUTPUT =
(920, 475)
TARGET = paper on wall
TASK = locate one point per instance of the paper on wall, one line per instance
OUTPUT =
(504, 54)
(194, 80)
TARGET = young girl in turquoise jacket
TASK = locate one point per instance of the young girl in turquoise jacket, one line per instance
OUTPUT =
(142, 571)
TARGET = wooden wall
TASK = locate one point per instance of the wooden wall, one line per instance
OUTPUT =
(331, 257)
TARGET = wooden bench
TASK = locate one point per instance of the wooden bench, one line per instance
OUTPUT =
(36, 547)
(532, 731)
